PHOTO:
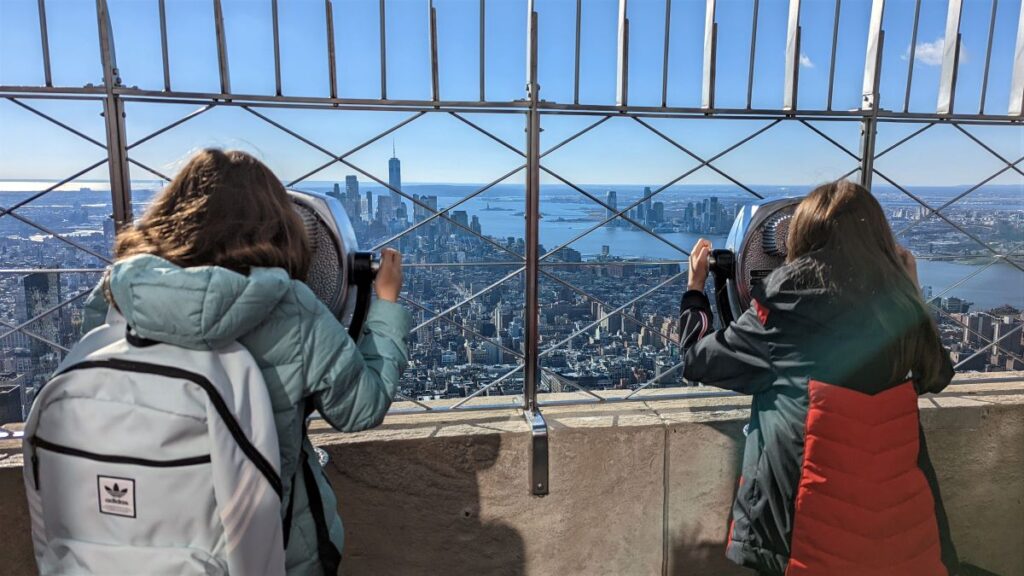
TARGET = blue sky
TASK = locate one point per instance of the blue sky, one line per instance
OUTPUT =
(440, 148)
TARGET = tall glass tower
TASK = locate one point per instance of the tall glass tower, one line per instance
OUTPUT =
(612, 200)
(395, 176)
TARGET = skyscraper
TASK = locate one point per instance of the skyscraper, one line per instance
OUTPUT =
(659, 212)
(612, 200)
(369, 206)
(395, 176)
(42, 293)
(385, 211)
(351, 201)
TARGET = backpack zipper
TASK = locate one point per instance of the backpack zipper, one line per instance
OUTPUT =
(110, 458)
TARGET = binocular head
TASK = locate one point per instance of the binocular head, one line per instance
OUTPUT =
(339, 273)
(756, 246)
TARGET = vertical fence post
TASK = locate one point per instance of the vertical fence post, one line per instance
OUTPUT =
(531, 374)
(869, 103)
(113, 114)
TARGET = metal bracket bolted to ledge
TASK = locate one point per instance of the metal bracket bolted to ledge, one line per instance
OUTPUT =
(538, 452)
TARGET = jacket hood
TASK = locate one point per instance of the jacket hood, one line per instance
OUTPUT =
(203, 307)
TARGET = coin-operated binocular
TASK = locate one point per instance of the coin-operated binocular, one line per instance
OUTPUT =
(339, 274)
(755, 247)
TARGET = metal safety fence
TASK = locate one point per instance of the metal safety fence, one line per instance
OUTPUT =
(530, 268)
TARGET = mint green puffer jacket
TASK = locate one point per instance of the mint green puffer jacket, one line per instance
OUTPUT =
(302, 350)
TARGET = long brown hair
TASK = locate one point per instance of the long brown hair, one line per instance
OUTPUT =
(840, 230)
(224, 208)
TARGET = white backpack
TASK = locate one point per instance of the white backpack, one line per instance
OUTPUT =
(147, 458)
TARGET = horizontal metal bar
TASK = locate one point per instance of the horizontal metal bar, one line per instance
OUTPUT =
(508, 263)
(59, 270)
(495, 107)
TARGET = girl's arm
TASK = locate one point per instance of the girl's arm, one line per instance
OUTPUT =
(95, 313)
(929, 376)
(352, 386)
(735, 358)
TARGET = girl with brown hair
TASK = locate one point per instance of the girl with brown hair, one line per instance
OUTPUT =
(219, 257)
(835, 350)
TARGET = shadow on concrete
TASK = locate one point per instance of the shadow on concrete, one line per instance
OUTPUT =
(697, 544)
(427, 495)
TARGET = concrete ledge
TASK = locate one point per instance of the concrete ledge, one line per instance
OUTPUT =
(636, 488)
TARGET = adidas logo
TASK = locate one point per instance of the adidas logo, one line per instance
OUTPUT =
(115, 490)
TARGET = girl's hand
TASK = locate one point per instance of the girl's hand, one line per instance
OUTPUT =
(698, 275)
(909, 263)
(389, 275)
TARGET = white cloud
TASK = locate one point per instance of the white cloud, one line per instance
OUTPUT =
(929, 53)
(805, 61)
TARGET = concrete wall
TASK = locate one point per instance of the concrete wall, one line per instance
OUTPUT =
(638, 488)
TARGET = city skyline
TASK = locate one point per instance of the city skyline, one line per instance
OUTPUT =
(588, 338)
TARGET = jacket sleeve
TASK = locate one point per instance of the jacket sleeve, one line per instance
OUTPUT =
(352, 386)
(735, 358)
(95, 313)
(933, 377)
